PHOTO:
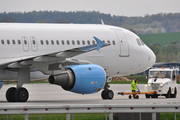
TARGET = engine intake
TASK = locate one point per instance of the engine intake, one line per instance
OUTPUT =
(65, 80)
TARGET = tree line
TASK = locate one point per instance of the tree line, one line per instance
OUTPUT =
(149, 24)
(167, 53)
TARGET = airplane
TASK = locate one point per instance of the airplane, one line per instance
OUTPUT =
(81, 58)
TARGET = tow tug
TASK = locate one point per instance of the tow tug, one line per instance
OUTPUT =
(163, 81)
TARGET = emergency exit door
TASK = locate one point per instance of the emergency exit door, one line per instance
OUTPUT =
(124, 46)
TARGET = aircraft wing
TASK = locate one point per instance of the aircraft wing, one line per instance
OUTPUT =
(52, 58)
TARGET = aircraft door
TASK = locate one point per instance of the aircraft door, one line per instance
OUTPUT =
(124, 46)
(25, 43)
(34, 44)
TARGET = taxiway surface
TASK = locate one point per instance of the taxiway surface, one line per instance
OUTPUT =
(47, 94)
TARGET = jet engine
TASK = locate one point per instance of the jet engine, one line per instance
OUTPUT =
(84, 79)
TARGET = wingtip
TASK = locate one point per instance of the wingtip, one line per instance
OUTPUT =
(99, 43)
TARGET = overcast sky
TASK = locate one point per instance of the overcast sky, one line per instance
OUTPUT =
(114, 7)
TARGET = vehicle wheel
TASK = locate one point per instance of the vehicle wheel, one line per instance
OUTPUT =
(130, 97)
(168, 93)
(175, 93)
(137, 96)
(147, 96)
(21, 95)
(10, 94)
(104, 94)
(110, 94)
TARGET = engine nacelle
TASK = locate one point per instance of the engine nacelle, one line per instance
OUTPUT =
(84, 79)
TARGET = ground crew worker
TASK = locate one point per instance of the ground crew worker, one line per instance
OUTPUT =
(133, 86)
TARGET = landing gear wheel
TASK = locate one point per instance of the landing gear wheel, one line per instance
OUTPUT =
(110, 94)
(168, 95)
(21, 95)
(10, 94)
(147, 96)
(130, 97)
(107, 94)
(104, 94)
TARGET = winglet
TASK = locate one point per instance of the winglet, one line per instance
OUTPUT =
(99, 43)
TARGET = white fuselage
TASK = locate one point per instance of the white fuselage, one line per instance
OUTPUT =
(122, 57)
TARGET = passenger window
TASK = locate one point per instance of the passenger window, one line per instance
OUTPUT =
(25, 42)
(33, 42)
(52, 42)
(83, 42)
(62, 42)
(2, 41)
(78, 42)
(8, 42)
(108, 41)
(47, 42)
(42, 42)
(19, 42)
(13, 41)
(57, 42)
(93, 42)
(73, 42)
(103, 41)
(113, 42)
(68, 42)
(138, 42)
(88, 42)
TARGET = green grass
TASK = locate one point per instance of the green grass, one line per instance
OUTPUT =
(169, 116)
(97, 116)
(90, 116)
(163, 38)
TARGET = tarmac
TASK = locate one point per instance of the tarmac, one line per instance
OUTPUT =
(48, 94)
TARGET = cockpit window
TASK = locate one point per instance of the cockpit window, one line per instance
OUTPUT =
(138, 42)
(141, 42)
(160, 74)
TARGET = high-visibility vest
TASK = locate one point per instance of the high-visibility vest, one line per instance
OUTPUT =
(133, 85)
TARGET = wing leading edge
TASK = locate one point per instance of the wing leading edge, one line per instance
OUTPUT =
(52, 57)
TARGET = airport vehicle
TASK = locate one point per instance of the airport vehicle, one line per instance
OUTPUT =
(135, 93)
(80, 58)
(163, 81)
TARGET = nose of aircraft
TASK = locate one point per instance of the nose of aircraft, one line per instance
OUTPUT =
(152, 57)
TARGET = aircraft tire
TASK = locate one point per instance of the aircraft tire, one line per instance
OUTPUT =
(21, 95)
(10, 94)
(104, 94)
(110, 94)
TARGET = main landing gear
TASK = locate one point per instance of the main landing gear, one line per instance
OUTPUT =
(106, 93)
(17, 95)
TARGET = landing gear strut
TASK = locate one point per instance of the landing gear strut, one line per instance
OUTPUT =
(106, 93)
(17, 95)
